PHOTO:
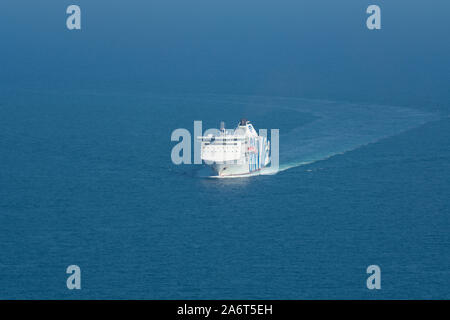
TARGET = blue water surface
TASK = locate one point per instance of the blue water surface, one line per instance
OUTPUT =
(86, 176)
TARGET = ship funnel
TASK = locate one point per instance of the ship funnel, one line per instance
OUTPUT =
(222, 126)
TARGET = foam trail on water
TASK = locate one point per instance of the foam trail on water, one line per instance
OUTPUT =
(343, 127)
(336, 128)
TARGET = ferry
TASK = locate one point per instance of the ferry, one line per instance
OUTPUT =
(235, 152)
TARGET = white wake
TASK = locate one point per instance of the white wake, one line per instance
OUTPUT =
(338, 127)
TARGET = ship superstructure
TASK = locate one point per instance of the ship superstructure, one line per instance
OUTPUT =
(235, 152)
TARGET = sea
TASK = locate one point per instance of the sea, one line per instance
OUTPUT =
(87, 178)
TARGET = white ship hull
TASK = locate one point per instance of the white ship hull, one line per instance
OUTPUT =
(223, 170)
(230, 169)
